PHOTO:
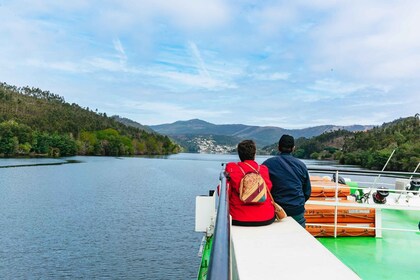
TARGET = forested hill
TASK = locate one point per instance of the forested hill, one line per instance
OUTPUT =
(37, 122)
(369, 149)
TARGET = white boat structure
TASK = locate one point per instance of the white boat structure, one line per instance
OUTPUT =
(284, 250)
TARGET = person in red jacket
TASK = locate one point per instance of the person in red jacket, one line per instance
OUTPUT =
(248, 214)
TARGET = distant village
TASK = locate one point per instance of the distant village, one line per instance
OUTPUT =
(209, 146)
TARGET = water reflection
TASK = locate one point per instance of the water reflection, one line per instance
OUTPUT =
(10, 163)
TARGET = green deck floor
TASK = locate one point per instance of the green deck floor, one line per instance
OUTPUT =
(394, 256)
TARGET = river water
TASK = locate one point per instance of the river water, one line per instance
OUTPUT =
(104, 217)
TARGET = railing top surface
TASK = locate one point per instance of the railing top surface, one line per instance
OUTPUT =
(219, 265)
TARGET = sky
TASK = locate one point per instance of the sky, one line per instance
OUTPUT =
(290, 64)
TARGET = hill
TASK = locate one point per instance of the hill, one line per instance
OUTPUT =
(373, 148)
(322, 146)
(369, 149)
(233, 133)
(128, 122)
(36, 122)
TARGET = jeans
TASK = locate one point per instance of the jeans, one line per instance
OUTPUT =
(300, 219)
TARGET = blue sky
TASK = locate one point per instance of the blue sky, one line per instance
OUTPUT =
(291, 64)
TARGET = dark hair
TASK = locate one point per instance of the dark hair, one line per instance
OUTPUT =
(285, 150)
(286, 143)
(247, 150)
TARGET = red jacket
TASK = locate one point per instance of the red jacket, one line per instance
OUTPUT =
(247, 212)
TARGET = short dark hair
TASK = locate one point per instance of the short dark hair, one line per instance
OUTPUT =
(286, 143)
(247, 150)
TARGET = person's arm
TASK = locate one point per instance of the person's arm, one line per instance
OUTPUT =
(266, 175)
(307, 189)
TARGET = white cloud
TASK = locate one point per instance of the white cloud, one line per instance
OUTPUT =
(190, 68)
(371, 39)
(197, 81)
(66, 66)
(276, 76)
(89, 65)
(198, 14)
(99, 63)
(167, 111)
(185, 15)
(336, 87)
(271, 18)
(120, 50)
(201, 66)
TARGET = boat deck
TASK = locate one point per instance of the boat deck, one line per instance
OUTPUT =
(394, 256)
(283, 250)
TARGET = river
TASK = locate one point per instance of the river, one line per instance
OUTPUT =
(104, 217)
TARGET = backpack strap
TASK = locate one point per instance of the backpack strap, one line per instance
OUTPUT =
(241, 169)
(258, 171)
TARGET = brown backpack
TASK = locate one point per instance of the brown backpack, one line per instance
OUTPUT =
(252, 188)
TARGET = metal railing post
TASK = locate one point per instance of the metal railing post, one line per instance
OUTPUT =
(336, 207)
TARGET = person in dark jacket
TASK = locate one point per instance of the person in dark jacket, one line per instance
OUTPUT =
(290, 178)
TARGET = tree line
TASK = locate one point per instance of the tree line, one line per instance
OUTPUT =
(368, 149)
(372, 149)
(35, 122)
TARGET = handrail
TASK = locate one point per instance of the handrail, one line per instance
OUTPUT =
(363, 205)
(219, 265)
(364, 172)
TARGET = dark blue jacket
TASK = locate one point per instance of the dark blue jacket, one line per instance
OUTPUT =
(291, 184)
